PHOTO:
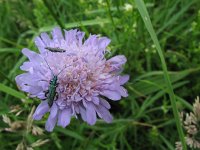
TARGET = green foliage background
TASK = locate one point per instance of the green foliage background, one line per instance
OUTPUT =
(144, 120)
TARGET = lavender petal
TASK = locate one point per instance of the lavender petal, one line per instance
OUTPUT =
(64, 117)
(42, 109)
(90, 114)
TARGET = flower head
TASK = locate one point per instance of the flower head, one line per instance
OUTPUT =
(84, 77)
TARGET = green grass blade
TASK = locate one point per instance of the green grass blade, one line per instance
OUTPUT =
(175, 17)
(9, 50)
(77, 24)
(12, 72)
(169, 146)
(185, 103)
(11, 91)
(51, 11)
(145, 16)
(153, 81)
(70, 133)
(6, 78)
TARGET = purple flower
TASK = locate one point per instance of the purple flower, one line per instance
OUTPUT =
(86, 78)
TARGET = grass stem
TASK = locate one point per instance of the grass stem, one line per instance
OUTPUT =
(145, 16)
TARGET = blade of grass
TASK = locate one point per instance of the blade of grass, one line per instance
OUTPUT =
(112, 9)
(11, 42)
(145, 16)
(21, 60)
(184, 102)
(70, 133)
(171, 10)
(11, 91)
(153, 81)
(51, 11)
(168, 144)
(174, 75)
(8, 79)
(9, 50)
(175, 17)
(78, 24)
(150, 100)
(112, 20)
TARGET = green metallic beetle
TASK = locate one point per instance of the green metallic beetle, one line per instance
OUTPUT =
(51, 94)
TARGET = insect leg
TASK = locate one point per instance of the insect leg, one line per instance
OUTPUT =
(44, 80)
(46, 93)
(56, 96)
(43, 99)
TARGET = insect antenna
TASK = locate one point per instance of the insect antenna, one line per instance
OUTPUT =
(49, 66)
(63, 69)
